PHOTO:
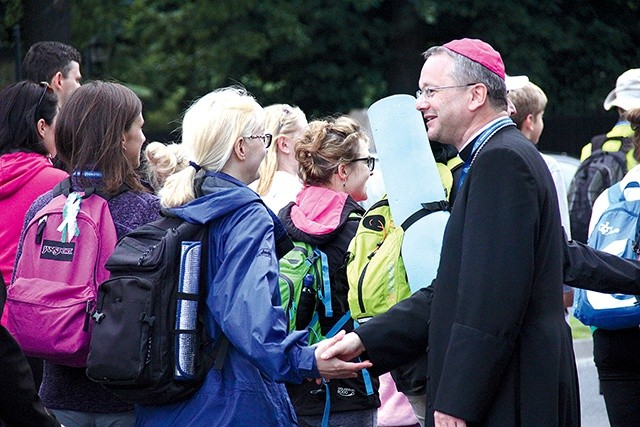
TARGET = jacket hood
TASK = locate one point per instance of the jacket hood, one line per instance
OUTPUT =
(218, 194)
(317, 214)
(17, 169)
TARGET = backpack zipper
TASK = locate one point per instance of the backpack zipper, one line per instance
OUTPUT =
(42, 222)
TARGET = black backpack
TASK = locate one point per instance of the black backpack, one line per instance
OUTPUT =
(149, 344)
(595, 174)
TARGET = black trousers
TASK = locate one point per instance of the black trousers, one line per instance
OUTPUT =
(617, 358)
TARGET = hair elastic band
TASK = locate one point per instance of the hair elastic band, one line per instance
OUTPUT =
(196, 166)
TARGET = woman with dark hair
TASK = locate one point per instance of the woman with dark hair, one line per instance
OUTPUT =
(98, 137)
(27, 121)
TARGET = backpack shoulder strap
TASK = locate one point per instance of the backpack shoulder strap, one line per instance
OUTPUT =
(326, 283)
(382, 202)
(426, 209)
(597, 142)
(627, 144)
(614, 193)
(63, 187)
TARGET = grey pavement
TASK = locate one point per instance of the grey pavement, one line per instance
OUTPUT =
(594, 413)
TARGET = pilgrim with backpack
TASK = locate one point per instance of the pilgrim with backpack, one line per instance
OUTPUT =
(607, 158)
(614, 318)
(67, 240)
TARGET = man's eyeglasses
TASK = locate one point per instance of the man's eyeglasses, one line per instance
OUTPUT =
(45, 88)
(371, 162)
(428, 91)
(266, 138)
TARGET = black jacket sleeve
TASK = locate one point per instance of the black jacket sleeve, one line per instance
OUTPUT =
(400, 335)
(588, 268)
(20, 404)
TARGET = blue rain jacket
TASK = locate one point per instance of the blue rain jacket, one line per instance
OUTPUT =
(243, 302)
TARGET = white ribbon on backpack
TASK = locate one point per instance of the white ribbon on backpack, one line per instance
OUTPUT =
(69, 226)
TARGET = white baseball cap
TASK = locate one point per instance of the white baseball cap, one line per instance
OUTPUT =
(626, 95)
(515, 82)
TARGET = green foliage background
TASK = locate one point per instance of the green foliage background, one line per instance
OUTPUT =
(332, 56)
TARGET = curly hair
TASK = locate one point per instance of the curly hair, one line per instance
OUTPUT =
(163, 161)
(324, 145)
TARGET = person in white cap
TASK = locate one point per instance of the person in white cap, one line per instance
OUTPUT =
(607, 158)
(624, 97)
(616, 352)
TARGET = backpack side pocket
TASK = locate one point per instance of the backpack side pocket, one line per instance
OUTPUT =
(125, 318)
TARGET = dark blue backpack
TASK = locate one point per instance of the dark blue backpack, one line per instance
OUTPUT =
(595, 174)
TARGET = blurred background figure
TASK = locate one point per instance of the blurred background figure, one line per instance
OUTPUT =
(279, 183)
(530, 102)
(607, 158)
(616, 352)
(55, 63)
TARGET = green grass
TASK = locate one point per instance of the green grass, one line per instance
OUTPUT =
(578, 330)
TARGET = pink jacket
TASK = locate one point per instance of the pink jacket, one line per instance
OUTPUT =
(23, 177)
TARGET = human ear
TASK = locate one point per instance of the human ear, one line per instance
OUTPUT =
(529, 121)
(284, 144)
(56, 81)
(240, 148)
(343, 171)
(479, 96)
(40, 126)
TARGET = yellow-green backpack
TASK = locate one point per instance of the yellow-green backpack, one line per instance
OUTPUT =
(375, 271)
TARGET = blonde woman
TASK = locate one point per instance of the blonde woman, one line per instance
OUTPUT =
(279, 182)
(224, 138)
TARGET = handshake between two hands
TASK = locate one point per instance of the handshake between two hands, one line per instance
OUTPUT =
(333, 356)
(332, 359)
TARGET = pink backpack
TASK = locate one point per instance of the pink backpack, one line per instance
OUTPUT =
(64, 251)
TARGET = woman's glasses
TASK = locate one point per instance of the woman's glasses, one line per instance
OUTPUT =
(371, 162)
(266, 138)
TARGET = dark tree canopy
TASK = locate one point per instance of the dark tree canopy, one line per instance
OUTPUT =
(331, 57)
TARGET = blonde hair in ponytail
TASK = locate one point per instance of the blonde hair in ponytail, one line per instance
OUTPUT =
(281, 120)
(210, 127)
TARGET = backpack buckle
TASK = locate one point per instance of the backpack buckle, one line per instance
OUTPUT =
(97, 316)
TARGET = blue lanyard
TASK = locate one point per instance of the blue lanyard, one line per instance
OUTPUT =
(88, 174)
(479, 143)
